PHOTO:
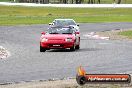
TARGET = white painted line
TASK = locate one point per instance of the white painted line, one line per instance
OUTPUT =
(70, 5)
(104, 43)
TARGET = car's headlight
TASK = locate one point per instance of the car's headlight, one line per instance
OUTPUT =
(68, 39)
(44, 40)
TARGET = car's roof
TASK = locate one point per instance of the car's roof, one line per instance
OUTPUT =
(61, 27)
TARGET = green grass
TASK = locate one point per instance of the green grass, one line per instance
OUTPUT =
(8, 0)
(17, 15)
(126, 33)
(4, 0)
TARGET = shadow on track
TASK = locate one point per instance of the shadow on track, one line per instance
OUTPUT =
(79, 50)
(59, 50)
(88, 49)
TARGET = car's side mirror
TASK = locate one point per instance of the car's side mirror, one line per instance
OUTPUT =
(50, 23)
(43, 33)
(78, 25)
(77, 33)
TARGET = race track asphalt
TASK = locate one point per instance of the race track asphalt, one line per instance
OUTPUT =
(26, 63)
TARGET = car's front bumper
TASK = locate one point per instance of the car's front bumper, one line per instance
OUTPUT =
(58, 45)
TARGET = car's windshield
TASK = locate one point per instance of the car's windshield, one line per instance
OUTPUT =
(60, 30)
(64, 22)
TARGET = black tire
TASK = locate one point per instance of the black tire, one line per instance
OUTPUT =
(73, 48)
(81, 80)
(78, 47)
(42, 49)
(129, 79)
(117, 1)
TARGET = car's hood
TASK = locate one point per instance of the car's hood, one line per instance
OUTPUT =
(58, 36)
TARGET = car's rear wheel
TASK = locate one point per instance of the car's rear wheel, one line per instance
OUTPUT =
(42, 49)
(73, 48)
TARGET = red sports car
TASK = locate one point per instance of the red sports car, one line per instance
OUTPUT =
(60, 38)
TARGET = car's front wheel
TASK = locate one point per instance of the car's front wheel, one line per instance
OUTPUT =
(78, 47)
(42, 49)
(73, 48)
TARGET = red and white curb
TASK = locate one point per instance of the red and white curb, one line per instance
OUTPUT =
(93, 35)
(4, 53)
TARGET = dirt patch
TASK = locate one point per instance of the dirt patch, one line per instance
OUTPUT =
(114, 34)
(68, 83)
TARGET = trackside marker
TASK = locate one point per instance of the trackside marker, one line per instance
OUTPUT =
(83, 78)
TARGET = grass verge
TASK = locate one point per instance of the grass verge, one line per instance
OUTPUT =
(126, 33)
(18, 15)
